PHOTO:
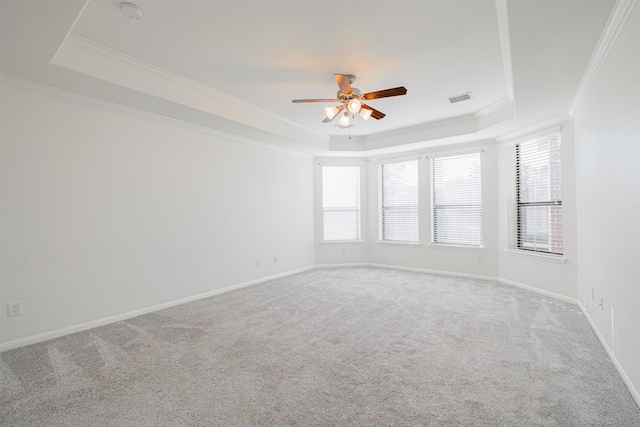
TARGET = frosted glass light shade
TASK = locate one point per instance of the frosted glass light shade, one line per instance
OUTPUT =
(344, 120)
(354, 106)
(365, 113)
(331, 112)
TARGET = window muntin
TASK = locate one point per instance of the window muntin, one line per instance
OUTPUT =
(398, 196)
(341, 203)
(538, 206)
(456, 183)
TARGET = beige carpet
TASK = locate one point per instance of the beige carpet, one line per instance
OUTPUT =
(347, 346)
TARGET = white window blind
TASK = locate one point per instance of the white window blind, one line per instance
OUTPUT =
(398, 195)
(341, 203)
(457, 200)
(535, 208)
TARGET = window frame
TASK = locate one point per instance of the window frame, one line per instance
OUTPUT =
(520, 205)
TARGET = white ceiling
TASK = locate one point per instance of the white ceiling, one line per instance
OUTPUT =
(235, 66)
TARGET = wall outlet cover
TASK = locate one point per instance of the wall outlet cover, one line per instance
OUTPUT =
(14, 308)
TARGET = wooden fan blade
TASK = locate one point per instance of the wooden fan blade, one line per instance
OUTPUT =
(296, 101)
(374, 113)
(327, 119)
(343, 83)
(385, 93)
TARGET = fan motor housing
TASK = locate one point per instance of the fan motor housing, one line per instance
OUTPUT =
(346, 97)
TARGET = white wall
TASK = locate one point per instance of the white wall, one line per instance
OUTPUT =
(607, 127)
(106, 212)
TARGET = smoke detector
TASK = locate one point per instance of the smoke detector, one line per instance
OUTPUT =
(131, 11)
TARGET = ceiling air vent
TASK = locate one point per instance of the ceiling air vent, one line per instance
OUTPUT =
(458, 98)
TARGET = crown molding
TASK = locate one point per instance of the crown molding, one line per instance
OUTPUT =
(88, 46)
(505, 46)
(528, 132)
(618, 17)
(70, 31)
(503, 103)
(88, 57)
(14, 82)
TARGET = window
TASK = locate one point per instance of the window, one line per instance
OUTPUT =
(457, 200)
(536, 210)
(398, 195)
(341, 203)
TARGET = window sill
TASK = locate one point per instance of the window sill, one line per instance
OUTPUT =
(341, 242)
(398, 243)
(559, 259)
(461, 247)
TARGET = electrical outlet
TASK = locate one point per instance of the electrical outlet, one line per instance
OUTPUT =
(14, 308)
(344, 251)
(480, 260)
(601, 303)
(275, 259)
(258, 262)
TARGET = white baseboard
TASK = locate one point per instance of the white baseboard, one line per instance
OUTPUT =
(124, 316)
(438, 272)
(457, 274)
(112, 319)
(353, 264)
(549, 294)
(632, 390)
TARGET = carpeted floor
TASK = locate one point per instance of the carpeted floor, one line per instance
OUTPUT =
(346, 346)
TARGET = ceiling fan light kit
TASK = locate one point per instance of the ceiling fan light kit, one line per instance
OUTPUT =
(351, 99)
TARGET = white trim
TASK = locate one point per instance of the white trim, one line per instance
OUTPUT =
(493, 108)
(456, 153)
(340, 242)
(394, 160)
(398, 243)
(124, 316)
(452, 246)
(621, 11)
(632, 390)
(66, 37)
(505, 45)
(137, 66)
(14, 82)
(112, 319)
(559, 259)
(347, 265)
(549, 126)
(343, 161)
(539, 291)
(438, 272)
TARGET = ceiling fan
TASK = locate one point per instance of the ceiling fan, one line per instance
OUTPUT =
(351, 99)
